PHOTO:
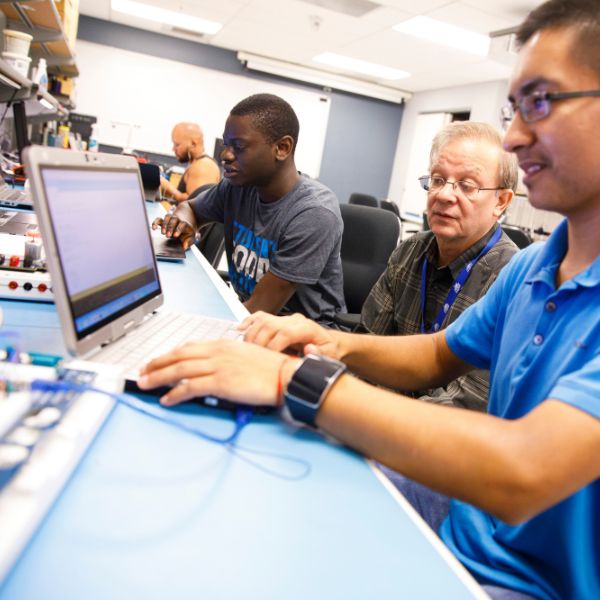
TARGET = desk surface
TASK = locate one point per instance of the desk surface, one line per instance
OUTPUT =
(152, 512)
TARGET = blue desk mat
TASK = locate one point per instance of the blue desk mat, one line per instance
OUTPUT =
(152, 512)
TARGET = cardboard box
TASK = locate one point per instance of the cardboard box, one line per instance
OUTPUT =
(62, 85)
(69, 13)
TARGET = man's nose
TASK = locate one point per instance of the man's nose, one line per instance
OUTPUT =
(447, 192)
(517, 134)
(226, 154)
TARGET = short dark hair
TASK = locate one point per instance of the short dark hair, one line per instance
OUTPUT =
(271, 115)
(582, 15)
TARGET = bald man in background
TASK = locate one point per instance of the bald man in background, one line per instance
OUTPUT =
(188, 146)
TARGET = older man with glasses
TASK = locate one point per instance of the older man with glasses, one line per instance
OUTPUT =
(434, 276)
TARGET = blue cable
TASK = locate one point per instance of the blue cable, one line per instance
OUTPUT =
(242, 415)
(12, 352)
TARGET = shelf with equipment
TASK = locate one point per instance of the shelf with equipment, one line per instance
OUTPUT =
(41, 19)
(13, 85)
(30, 103)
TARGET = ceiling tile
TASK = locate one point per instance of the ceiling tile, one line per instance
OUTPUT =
(386, 17)
(476, 73)
(470, 18)
(412, 6)
(295, 31)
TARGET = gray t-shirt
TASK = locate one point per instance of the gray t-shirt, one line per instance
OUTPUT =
(297, 238)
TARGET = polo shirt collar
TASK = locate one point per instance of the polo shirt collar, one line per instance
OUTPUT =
(549, 258)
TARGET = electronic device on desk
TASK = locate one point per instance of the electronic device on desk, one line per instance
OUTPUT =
(43, 436)
(14, 197)
(23, 273)
(113, 315)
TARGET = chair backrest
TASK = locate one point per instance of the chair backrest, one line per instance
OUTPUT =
(212, 243)
(391, 206)
(200, 189)
(363, 200)
(370, 236)
(519, 236)
(212, 235)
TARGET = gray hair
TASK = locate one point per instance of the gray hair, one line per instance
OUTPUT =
(509, 167)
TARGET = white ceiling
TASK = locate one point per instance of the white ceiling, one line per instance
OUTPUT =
(296, 30)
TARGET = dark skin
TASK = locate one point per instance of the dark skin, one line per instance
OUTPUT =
(248, 158)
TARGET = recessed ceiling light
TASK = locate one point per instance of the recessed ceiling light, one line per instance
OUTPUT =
(162, 15)
(445, 34)
(360, 66)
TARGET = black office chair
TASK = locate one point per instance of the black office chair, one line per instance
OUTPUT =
(370, 236)
(212, 235)
(363, 200)
(391, 206)
(200, 189)
(212, 243)
(519, 236)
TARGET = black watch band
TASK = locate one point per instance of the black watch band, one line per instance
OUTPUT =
(310, 383)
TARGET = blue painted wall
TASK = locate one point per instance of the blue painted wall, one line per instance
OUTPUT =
(361, 134)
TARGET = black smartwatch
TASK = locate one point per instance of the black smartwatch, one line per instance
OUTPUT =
(310, 383)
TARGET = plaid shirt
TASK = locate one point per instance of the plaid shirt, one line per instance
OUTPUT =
(393, 306)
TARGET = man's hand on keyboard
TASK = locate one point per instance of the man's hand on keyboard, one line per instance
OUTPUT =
(173, 226)
(231, 370)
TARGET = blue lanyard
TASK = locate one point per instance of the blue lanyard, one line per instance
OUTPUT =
(456, 287)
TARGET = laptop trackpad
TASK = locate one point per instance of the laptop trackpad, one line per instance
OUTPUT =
(168, 248)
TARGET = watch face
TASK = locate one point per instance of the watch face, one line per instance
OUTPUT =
(309, 385)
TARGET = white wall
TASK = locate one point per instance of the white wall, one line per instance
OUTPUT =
(148, 95)
(484, 100)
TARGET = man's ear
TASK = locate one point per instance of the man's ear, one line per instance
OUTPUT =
(284, 147)
(504, 198)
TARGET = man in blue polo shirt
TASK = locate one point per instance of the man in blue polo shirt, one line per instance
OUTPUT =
(524, 480)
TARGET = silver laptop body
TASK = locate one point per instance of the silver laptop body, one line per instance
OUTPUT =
(99, 252)
(92, 218)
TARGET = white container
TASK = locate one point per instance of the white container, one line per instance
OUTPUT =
(17, 42)
(39, 74)
(93, 141)
(17, 62)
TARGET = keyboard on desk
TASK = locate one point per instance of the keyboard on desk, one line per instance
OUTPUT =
(13, 197)
(43, 436)
(162, 332)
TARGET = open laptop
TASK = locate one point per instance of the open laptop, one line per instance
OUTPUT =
(150, 174)
(17, 222)
(92, 217)
(13, 197)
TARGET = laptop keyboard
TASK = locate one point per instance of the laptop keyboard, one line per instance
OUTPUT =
(161, 333)
(12, 196)
(43, 436)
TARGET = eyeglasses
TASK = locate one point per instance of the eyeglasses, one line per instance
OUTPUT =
(434, 183)
(536, 106)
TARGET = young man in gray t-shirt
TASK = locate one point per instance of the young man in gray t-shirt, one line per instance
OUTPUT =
(283, 231)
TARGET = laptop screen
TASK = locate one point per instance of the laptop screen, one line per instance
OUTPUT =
(103, 242)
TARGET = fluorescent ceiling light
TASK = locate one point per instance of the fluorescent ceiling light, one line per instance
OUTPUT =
(360, 66)
(162, 15)
(445, 34)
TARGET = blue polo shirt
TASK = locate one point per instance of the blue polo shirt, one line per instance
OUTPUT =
(539, 342)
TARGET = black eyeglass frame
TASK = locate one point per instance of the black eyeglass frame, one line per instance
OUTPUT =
(425, 178)
(549, 97)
